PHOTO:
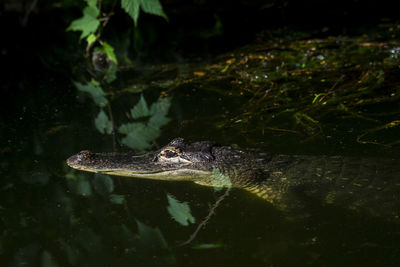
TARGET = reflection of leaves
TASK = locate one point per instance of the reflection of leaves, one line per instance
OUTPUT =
(103, 184)
(88, 24)
(140, 134)
(207, 246)
(72, 254)
(88, 239)
(151, 237)
(38, 176)
(25, 255)
(180, 211)
(78, 185)
(117, 199)
(95, 91)
(103, 124)
(220, 180)
(47, 260)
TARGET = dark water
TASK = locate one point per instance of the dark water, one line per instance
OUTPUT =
(54, 216)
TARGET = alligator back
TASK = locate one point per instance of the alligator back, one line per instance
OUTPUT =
(365, 185)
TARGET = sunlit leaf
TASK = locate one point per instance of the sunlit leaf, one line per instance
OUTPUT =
(109, 50)
(117, 199)
(132, 8)
(91, 39)
(103, 124)
(95, 91)
(220, 180)
(153, 7)
(91, 2)
(47, 260)
(179, 211)
(151, 237)
(141, 109)
(103, 184)
(87, 24)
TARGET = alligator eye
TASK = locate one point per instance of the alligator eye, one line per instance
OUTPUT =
(170, 154)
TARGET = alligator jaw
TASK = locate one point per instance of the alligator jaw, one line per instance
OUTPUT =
(138, 167)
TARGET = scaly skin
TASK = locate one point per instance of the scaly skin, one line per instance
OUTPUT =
(365, 185)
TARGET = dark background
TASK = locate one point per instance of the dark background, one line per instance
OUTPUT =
(35, 45)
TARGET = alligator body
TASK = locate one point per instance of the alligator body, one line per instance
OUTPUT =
(367, 185)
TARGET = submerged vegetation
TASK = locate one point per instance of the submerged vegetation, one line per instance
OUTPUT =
(287, 90)
(308, 86)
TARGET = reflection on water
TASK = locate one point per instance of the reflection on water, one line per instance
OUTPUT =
(54, 216)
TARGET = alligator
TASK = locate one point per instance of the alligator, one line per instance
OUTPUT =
(361, 184)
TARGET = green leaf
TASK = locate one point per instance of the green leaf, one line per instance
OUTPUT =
(138, 135)
(159, 111)
(130, 128)
(111, 73)
(95, 92)
(103, 184)
(117, 199)
(109, 50)
(158, 120)
(151, 237)
(140, 130)
(141, 109)
(161, 106)
(179, 211)
(91, 2)
(132, 8)
(87, 24)
(153, 7)
(91, 39)
(220, 180)
(103, 124)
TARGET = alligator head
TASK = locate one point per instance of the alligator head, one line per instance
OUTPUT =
(178, 160)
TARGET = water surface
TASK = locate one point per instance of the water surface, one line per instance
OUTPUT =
(55, 216)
